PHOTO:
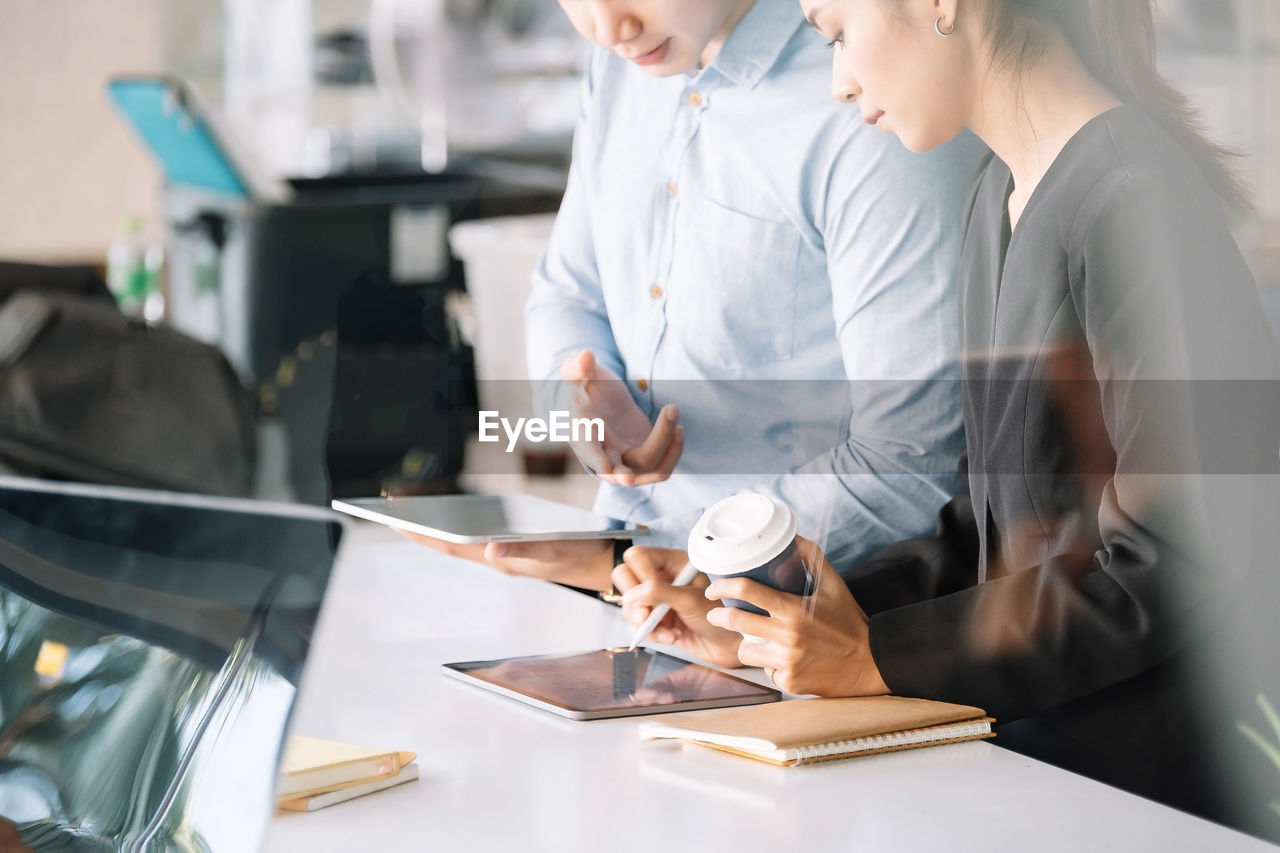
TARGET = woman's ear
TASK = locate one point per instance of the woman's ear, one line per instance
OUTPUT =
(946, 13)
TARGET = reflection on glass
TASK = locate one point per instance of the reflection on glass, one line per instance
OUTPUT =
(148, 656)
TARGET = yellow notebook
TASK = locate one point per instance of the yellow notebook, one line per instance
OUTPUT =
(312, 766)
(805, 730)
(349, 791)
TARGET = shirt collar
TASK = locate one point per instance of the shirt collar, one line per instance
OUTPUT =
(757, 42)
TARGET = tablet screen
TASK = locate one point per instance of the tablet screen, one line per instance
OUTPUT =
(172, 124)
(611, 683)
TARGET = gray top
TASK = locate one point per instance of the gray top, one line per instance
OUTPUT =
(1116, 333)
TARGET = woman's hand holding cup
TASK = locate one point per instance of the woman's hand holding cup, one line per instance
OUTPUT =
(812, 644)
(784, 607)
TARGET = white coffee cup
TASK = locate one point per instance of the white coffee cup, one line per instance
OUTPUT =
(750, 535)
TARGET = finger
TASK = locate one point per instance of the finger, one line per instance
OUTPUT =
(733, 619)
(572, 372)
(546, 552)
(654, 563)
(579, 367)
(616, 479)
(668, 463)
(592, 455)
(638, 602)
(653, 592)
(674, 451)
(475, 553)
(700, 583)
(634, 612)
(686, 605)
(668, 632)
(621, 476)
(619, 469)
(654, 448)
(542, 552)
(780, 604)
(764, 655)
(429, 541)
(623, 577)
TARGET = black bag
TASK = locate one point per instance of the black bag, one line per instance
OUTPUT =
(91, 395)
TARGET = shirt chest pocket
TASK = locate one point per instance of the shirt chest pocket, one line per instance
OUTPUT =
(732, 286)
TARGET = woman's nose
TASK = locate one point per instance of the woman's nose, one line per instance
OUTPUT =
(845, 92)
(843, 87)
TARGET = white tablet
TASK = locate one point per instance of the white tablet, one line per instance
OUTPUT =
(468, 519)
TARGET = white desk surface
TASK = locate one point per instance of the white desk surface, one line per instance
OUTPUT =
(498, 775)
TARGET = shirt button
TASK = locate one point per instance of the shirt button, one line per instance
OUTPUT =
(671, 188)
(695, 99)
(655, 292)
(642, 384)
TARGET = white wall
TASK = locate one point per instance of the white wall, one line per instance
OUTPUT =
(1269, 119)
(70, 170)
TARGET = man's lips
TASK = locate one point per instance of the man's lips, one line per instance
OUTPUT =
(654, 56)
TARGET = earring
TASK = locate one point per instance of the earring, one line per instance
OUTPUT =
(937, 28)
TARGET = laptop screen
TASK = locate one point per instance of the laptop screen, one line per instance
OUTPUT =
(150, 647)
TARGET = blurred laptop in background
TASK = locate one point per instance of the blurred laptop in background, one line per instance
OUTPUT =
(150, 648)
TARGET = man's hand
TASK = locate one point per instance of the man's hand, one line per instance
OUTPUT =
(817, 646)
(584, 563)
(645, 578)
(634, 452)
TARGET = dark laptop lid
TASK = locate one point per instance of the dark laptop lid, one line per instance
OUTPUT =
(150, 647)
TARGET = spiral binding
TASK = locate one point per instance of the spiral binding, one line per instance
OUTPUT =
(896, 741)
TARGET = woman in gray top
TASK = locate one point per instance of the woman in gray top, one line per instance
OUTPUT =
(1119, 404)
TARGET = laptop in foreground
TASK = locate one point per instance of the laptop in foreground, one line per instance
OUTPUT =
(150, 648)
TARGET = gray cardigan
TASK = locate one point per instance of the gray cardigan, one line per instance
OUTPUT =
(1116, 353)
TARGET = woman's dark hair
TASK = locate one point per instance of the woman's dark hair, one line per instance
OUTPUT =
(1115, 39)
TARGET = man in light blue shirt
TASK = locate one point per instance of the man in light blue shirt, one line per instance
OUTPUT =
(736, 243)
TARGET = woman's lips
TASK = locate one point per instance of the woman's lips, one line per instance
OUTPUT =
(874, 118)
(653, 57)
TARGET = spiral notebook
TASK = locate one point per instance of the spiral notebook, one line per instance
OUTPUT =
(807, 730)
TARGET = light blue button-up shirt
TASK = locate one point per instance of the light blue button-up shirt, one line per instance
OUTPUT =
(736, 242)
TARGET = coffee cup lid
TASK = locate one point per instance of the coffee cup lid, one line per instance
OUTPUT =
(740, 533)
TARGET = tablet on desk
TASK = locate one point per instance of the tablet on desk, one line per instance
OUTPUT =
(611, 683)
(468, 519)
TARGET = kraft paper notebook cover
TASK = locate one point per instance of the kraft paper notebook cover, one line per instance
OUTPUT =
(312, 766)
(349, 791)
(804, 730)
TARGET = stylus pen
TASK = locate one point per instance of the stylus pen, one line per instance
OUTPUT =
(686, 576)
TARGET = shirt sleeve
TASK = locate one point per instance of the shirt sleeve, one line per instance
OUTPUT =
(1163, 297)
(891, 223)
(565, 312)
